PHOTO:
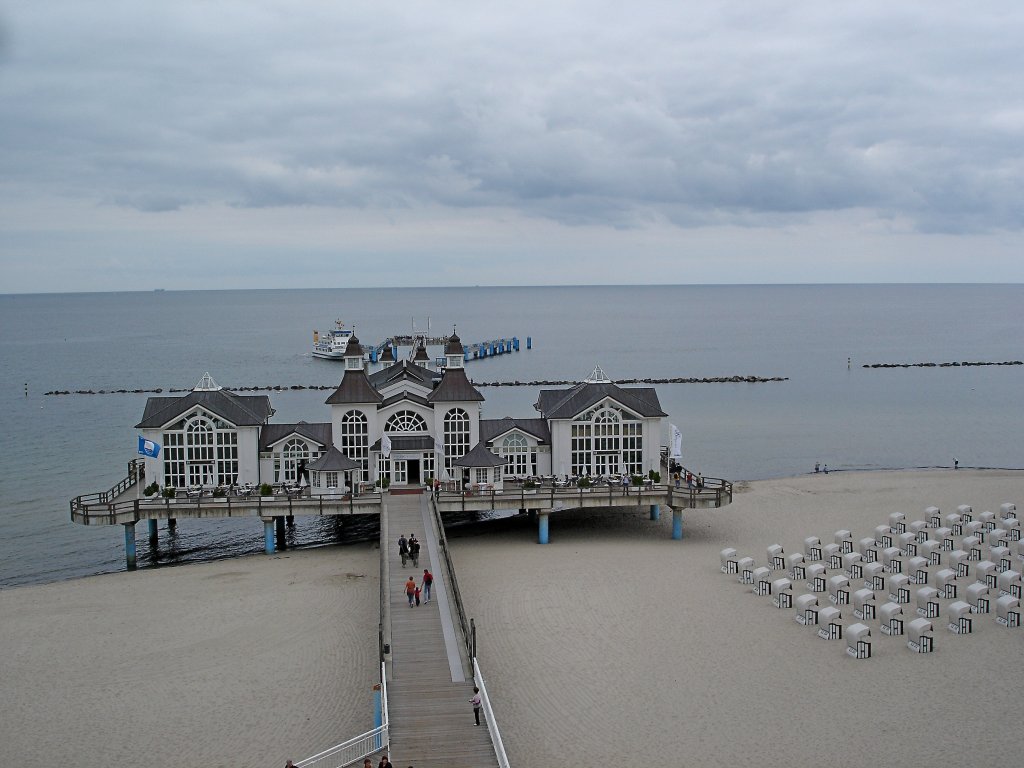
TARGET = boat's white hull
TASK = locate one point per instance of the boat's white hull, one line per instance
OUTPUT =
(329, 355)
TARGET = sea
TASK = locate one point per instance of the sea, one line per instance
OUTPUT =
(831, 407)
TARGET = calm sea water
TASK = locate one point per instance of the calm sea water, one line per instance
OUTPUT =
(54, 448)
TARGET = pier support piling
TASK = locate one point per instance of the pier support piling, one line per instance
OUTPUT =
(279, 525)
(268, 535)
(153, 531)
(129, 545)
(655, 512)
(542, 528)
(172, 525)
(677, 524)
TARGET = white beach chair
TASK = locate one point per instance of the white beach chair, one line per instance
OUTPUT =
(845, 540)
(849, 560)
(1008, 510)
(917, 570)
(864, 604)
(806, 609)
(883, 537)
(899, 588)
(795, 563)
(830, 622)
(931, 549)
(817, 578)
(921, 636)
(979, 597)
(960, 562)
(867, 549)
(892, 559)
(954, 523)
(874, 576)
(1012, 526)
(975, 529)
(729, 563)
(960, 621)
(890, 618)
(907, 542)
(762, 581)
(812, 549)
(858, 641)
(832, 556)
(775, 557)
(973, 546)
(1009, 583)
(782, 593)
(1000, 555)
(965, 512)
(745, 570)
(933, 516)
(988, 520)
(920, 530)
(998, 537)
(927, 599)
(839, 590)
(1008, 611)
(897, 522)
(1018, 548)
(986, 573)
(944, 536)
(945, 583)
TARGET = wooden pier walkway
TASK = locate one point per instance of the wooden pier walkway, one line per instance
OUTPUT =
(430, 677)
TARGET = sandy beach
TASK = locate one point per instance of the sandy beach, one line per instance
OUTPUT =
(613, 645)
(242, 662)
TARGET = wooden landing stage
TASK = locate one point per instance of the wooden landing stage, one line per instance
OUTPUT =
(430, 672)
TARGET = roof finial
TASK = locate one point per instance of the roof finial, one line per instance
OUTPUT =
(597, 377)
(207, 384)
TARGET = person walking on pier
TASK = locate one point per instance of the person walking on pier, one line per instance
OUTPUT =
(403, 549)
(428, 582)
(414, 550)
(410, 590)
(476, 702)
(417, 597)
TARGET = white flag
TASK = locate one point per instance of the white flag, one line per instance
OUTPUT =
(385, 446)
(677, 442)
(442, 473)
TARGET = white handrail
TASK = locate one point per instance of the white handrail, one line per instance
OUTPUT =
(352, 751)
(492, 723)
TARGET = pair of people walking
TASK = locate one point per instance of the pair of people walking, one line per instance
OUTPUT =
(414, 590)
(409, 549)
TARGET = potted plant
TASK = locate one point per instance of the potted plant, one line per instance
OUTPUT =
(266, 489)
(151, 489)
(169, 492)
(219, 491)
(383, 482)
(584, 484)
(638, 480)
(655, 476)
(530, 487)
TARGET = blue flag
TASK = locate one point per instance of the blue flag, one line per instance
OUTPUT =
(148, 448)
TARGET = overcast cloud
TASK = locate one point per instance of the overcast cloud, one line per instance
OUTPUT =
(323, 144)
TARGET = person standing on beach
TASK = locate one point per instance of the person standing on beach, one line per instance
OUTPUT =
(403, 549)
(414, 550)
(428, 582)
(475, 701)
(410, 590)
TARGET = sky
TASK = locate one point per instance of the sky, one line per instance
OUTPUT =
(323, 144)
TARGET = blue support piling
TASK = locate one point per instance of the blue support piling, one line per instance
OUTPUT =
(655, 512)
(542, 528)
(515, 343)
(378, 710)
(677, 524)
(129, 545)
(152, 529)
(373, 355)
(529, 342)
(268, 535)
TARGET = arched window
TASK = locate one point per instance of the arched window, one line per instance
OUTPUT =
(200, 449)
(293, 453)
(405, 421)
(456, 436)
(516, 453)
(354, 441)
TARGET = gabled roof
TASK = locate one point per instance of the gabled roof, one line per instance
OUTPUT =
(491, 429)
(454, 387)
(240, 410)
(403, 370)
(398, 397)
(479, 457)
(333, 461)
(319, 433)
(408, 443)
(355, 387)
(569, 403)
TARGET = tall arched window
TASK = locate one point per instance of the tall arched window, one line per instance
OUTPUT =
(405, 421)
(456, 436)
(200, 449)
(293, 453)
(355, 440)
(516, 453)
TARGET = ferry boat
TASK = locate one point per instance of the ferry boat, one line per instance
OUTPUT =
(332, 344)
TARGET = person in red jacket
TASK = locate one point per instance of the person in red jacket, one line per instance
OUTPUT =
(428, 582)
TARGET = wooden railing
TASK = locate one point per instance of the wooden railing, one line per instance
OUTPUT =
(467, 624)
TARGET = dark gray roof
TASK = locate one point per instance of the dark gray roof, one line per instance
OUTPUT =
(567, 403)
(454, 387)
(454, 345)
(355, 387)
(403, 370)
(387, 354)
(479, 457)
(408, 443)
(319, 433)
(240, 410)
(421, 355)
(400, 396)
(353, 347)
(492, 428)
(334, 461)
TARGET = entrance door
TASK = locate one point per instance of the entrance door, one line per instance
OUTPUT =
(606, 464)
(200, 474)
(400, 472)
(413, 468)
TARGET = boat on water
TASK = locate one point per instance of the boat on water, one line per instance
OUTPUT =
(333, 343)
